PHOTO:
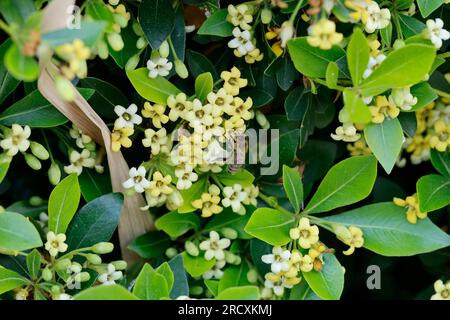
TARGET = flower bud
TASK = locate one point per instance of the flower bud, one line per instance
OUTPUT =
(102, 50)
(181, 69)
(36, 201)
(164, 49)
(93, 258)
(103, 247)
(113, 2)
(54, 174)
(171, 252)
(63, 264)
(119, 264)
(196, 291)
(47, 275)
(115, 41)
(82, 277)
(266, 15)
(262, 120)
(141, 43)
(399, 44)
(229, 233)
(252, 276)
(132, 62)
(65, 88)
(137, 28)
(342, 232)
(121, 20)
(230, 257)
(286, 33)
(39, 151)
(191, 248)
(32, 161)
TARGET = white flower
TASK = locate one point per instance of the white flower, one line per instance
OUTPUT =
(402, 98)
(22, 294)
(216, 272)
(55, 243)
(277, 287)
(278, 259)
(442, 290)
(82, 140)
(200, 115)
(436, 32)
(137, 180)
(286, 33)
(214, 246)
(174, 200)
(158, 141)
(252, 195)
(242, 41)
(347, 132)
(78, 161)
(127, 116)
(110, 276)
(376, 18)
(158, 66)
(374, 62)
(63, 296)
(16, 140)
(185, 176)
(234, 196)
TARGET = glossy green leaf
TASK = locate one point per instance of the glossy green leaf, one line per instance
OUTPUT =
(356, 108)
(156, 90)
(332, 74)
(191, 194)
(347, 182)
(271, 226)
(426, 7)
(17, 233)
(111, 292)
(150, 245)
(441, 161)
(385, 140)
(10, 280)
(157, 20)
(328, 284)
(196, 266)
(204, 84)
(180, 283)
(403, 67)
(150, 284)
(34, 260)
(16, 11)
(93, 184)
(424, 93)
(95, 222)
(63, 204)
(239, 293)
(7, 82)
(199, 64)
(357, 55)
(302, 291)
(176, 224)
(89, 32)
(242, 177)
(292, 183)
(21, 67)
(217, 25)
(234, 276)
(387, 232)
(165, 270)
(433, 191)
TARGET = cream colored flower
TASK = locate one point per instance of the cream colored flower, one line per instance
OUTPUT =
(120, 138)
(252, 195)
(354, 239)
(376, 18)
(240, 108)
(127, 117)
(233, 197)
(278, 259)
(200, 115)
(16, 139)
(374, 62)
(209, 202)
(158, 141)
(382, 109)
(240, 16)
(219, 101)
(179, 106)
(214, 247)
(156, 113)
(436, 32)
(306, 234)
(160, 185)
(242, 41)
(78, 161)
(185, 176)
(347, 132)
(55, 243)
(137, 180)
(158, 66)
(323, 34)
(440, 138)
(402, 98)
(110, 276)
(442, 290)
(232, 81)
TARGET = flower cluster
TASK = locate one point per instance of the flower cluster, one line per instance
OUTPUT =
(413, 212)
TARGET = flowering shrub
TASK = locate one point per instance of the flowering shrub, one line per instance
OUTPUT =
(267, 149)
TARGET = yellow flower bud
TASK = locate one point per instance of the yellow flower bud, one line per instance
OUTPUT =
(39, 151)
(119, 264)
(141, 43)
(266, 15)
(65, 88)
(229, 233)
(171, 252)
(102, 50)
(181, 69)
(115, 41)
(252, 276)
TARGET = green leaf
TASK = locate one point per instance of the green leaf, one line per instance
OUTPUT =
(150, 245)
(441, 161)
(433, 191)
(242, 177)
(356, 107)
(385, 140)
(357, 55)
(89, 32)
(19, 66)
(156, 90)
(111, 292)
(34, 263)
(408, 122)
(312, 61)
(176, 224)
(98, 11)
(204, 84)
(35, 111)
(16, 11)
(292, 183)
(426, 7)
(4, 166)
(386, 35)
(165, 270)
(95, 222)
(298, 104)
(93, 184)
(150, 285)
(63, 204)
(196, 266)
(347, 182)
(302, 291)
(7, 82)
(10, 280)
(180, 284)
(403, 67)
(129, 49)
(191, 194)
(271, 226)
(387, 232)
(199, 64)
(234, 276)
(286, 74)
(424, 93)
(410, 26)
(217, 25)
(239, 293)
(157, 20)
(213, 286)
(332, 74)
(328, 284)
(17, 233)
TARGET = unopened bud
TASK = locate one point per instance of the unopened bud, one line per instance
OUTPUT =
(119, 264)
(65, 88)
(54, 174)
(191, 248)
(39, 151)
(342, 232)
(262, 120)
(230, 257)
(113, 2)
(171, 252)
(229, 233)
(399, 44)
(115, 41)
(36, 201)
(137, 28)
(164, 49)
(266, 15)
(63, 264)
(82, 277)
(252, 276)
(102, 50)
(103, 247)
(196, 291)
(121, 20)
(132, 62)
(181, 69)
(141, 43)
(93, 258)
(47, 275)
(32, 161)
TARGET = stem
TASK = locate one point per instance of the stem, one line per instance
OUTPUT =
(216, 180)
(47, 146)
(273, 203)
(294, 14)
(172, 48)
(323, 82)
(444, 55)
(322, 222)
(442, 93)
(5, 27)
